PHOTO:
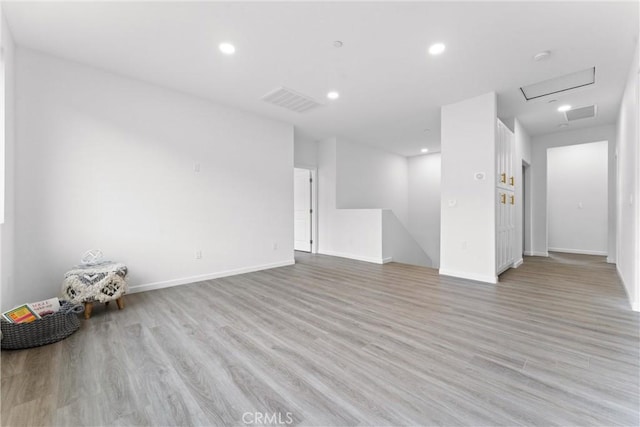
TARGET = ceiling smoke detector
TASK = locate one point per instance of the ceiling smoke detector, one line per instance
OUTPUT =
(541, 55)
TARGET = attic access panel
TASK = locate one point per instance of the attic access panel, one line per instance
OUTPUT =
(559, 84)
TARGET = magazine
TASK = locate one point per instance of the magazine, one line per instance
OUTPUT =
(21, 314)
(48, 306)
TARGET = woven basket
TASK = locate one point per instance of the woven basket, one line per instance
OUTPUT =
(49, 329)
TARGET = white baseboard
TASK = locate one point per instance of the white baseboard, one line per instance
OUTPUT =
(635, 305)
(357, 257)
(611, 260)
(536, 253)
(193, 279)
(517, 263)
(577, 251)
(470, 276)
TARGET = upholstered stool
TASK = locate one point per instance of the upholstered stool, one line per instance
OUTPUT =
(100, 282)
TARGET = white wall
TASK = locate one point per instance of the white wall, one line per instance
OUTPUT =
(467, 237)
(107, 162)
(371, 178)
(424, 203)
(7, 227)
(305, 152)
(628, 190)
(398, 244)
(5, 39)
(539, 146)
(366, 180)
(577, 200)
(349, 233)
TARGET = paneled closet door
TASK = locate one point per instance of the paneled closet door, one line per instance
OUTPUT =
(504, 157)
(505, 229)
(505, 198)
(500, 157)
(502, 230)
(509, 154)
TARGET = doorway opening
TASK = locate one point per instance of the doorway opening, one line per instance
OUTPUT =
(577, 198)
(304, 210)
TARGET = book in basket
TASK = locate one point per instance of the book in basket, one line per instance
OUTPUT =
(48, 306)
(26, 313)
(21, 314)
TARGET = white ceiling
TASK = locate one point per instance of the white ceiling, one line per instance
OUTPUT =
(391, 89)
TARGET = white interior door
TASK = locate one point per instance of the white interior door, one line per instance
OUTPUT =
(302, 209)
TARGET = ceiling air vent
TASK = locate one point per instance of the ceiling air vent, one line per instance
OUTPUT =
(291, 100)
(560, 84)
(581, 113)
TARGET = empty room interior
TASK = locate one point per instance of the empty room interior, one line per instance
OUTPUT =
(320, 213)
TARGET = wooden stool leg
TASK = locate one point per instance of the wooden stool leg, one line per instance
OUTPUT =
(88, 308)
(107, 303)
(120, 302)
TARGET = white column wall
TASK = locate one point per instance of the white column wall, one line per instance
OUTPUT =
(468, 227)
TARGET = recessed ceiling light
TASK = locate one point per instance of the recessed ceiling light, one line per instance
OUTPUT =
(564, 108)
(333, 95)
(541, 55)
(338, 43)
(427, 130)
(552, 100)
(227, 48)
(424, 150)
(436, 49)
(563, 125)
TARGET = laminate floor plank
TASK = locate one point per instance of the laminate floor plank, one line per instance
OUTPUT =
(210, 383)
(167, 400)
(267, 368)
(336, 342)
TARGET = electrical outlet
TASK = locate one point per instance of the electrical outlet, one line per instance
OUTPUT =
(275, 246)
(198, 254)
(196, 167)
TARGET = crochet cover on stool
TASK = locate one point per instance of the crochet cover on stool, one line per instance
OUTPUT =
(100, 282)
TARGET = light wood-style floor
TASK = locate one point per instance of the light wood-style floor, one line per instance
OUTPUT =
(335, 342)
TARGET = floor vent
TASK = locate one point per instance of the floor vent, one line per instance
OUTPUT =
(560, 84)
(581, 113)
(291, 100)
